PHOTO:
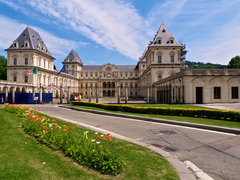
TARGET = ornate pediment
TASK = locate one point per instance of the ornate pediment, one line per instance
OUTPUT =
(109, 67)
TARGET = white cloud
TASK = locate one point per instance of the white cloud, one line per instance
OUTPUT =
(113, 24)
(12, 29)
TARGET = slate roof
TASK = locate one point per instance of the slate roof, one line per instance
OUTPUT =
(34, 40)
(73, 57)
(119, 67)
(165, 34)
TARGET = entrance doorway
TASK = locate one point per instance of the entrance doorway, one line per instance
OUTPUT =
(199, 95)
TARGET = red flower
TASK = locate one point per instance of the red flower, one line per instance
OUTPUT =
(105, 137)
(70, 131)
(121, 147)
(29, 118)
(110, 139)
(55, 121)
(108, 134)
(98, 137)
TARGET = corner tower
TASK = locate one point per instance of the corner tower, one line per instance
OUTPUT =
(163, 57)
(25, 53)
(73, 64)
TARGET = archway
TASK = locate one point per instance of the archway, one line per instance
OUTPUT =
(104, 85)
(17, 90)
(108, 85)
(104, 93)
(108, 93)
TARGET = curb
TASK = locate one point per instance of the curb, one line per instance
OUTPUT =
(179, 123)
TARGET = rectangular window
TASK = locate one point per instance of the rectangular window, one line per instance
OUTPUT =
(15, 61)
(26, 61)
(159, 59)
(234, 92)
(217, 92)
(172, 58)
(26, 79)
(15, 78)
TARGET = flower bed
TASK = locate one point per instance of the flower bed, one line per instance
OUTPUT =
(202, 113)
(90, 149)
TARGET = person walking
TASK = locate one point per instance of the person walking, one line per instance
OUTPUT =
(2, 100)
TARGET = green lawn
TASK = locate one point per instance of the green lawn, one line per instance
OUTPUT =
(172, 106)
(22, 157)
(212, 122)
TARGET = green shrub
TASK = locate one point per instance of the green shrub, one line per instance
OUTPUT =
(200, 113)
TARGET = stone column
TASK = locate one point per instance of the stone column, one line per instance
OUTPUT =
(118, 94)
(33, 91)
(96, 94)
(13, 95)
(148, 94)
(89, 96)
(68, 95)
(6, 94)
(155, 94)
(40, 95)
(61, 93)
(126, 91)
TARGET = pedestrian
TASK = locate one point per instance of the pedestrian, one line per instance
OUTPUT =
(2, 101)
(79, 97)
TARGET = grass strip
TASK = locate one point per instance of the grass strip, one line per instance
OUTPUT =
(22, 157)
(206, 121)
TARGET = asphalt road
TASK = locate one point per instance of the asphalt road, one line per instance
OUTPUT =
(217, 154)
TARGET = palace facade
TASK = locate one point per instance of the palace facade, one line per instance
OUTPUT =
(160, 75)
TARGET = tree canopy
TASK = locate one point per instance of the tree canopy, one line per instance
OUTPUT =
(3, 70)
(234, 63)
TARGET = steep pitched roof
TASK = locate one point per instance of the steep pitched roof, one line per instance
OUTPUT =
(73, 57)
(34, 39)
(165, 35)
(119, 67)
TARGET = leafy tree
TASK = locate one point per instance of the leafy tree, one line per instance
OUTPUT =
(234, 63)
(3, 70)
(201, 65)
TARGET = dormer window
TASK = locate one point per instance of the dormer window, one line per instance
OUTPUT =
(163, 30)
(171, 40)
(47, 51)
(15, 44)
(159, 42)
(26, 43)
(39, 46)
(43, 48)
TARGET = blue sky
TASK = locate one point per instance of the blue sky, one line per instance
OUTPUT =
(118, 31)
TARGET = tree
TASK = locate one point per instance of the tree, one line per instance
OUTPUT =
(234, 63)
(3, 70)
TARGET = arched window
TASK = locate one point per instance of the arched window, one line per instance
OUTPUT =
(14, 78)
(159, 76)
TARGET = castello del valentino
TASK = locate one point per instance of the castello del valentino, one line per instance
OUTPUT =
(160, 73)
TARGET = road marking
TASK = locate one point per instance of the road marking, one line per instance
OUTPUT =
(198, 172)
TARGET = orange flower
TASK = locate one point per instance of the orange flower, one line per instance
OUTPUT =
(121, 147)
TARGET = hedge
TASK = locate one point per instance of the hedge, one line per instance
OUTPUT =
(199, 113)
